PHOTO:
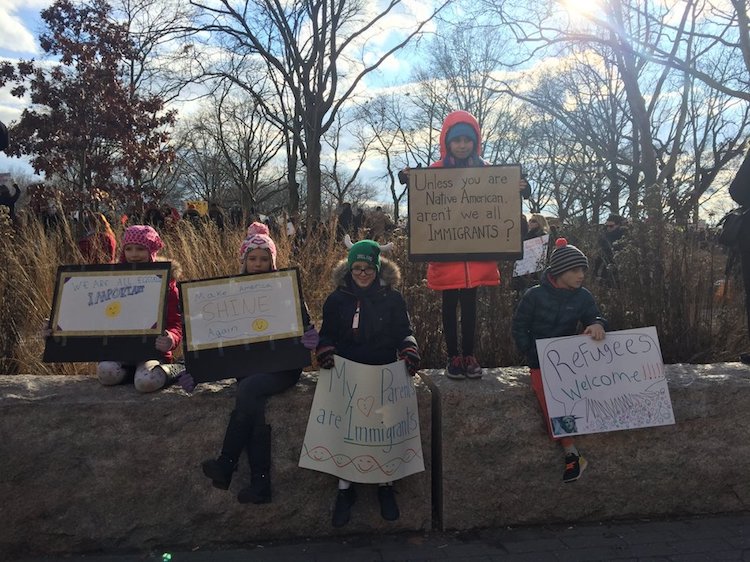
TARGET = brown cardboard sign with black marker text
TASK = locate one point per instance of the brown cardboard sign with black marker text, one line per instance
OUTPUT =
(465, 214)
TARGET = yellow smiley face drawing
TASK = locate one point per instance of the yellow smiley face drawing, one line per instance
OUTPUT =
(112, 310)
(260, 325)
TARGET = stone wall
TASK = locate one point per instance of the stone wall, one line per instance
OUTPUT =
(86, 468)
(500, 468)
(89, 469)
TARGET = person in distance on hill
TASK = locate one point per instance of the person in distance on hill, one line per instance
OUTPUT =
(739, 190)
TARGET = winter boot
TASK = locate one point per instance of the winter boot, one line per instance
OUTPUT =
(259, 454)
(220, 470)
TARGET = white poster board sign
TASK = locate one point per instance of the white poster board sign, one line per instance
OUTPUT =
(364, 423)
(243, 309)
(617, 383)
(534, 256)
(109, 303)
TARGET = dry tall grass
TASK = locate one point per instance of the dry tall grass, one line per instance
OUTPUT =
(666, 279)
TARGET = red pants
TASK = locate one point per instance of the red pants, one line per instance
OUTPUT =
(537, 385)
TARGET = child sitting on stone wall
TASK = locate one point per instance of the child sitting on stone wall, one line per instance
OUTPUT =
(553, 309)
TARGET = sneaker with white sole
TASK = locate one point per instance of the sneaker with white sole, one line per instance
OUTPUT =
(472, 368)
(455, 368)
(574, 467)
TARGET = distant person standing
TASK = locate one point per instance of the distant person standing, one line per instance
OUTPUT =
(379, 224)
(358, 221)
(604, 267)
(345, 221)
(4, 138)
(9, 200)
(739, 190)
(216, 215)
(97, 242)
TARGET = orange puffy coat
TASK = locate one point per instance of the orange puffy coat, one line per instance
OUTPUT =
(460, 274)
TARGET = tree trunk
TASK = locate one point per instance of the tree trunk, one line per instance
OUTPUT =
(313, 180)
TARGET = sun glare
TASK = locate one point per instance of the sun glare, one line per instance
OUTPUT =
(581, 7)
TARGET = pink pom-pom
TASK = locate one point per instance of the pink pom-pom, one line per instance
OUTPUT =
(561, 243)
(257, 228)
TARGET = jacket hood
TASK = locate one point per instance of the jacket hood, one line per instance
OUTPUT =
(390, 274)
(455, 118)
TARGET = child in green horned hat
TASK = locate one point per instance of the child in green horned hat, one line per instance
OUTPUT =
(365, 320)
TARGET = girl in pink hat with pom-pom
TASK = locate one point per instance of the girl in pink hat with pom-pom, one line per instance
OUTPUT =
(247, 428)
(141, 244)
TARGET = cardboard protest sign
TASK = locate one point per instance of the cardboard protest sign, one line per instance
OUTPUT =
(107, 312)
(617, 383)
(460, 214)
(534, 256)
(364, 423)
(244, 324)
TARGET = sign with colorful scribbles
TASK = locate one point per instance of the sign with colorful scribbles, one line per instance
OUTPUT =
(241, 309)
(107, 312)
(534, 256)
(364, 423)
(463, 214)
(245, 324)
(595, 386)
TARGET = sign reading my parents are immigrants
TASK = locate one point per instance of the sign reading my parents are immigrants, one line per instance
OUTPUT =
(364, 423)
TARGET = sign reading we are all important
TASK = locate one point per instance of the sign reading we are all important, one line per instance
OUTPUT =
(464, 213)
(364, 423)
(111, 312)
(112, 302)
(243, 309)
(595, 386)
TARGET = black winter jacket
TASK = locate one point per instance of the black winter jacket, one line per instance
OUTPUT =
(546, 311)
(384, 326)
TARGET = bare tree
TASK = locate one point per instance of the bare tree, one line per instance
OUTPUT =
(228, 152)
(656, 97)
(313, 50)
(341, 173)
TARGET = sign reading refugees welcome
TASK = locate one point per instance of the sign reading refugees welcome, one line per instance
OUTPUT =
(464, 213)
(364, 423)
(594, 386)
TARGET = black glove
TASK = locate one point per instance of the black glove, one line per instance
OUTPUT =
(325, 357)
(410, 356)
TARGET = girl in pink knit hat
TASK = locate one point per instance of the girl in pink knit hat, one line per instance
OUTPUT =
(247, 428)
(140, 244)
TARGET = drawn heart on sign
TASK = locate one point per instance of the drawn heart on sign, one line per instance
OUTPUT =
(364, 405)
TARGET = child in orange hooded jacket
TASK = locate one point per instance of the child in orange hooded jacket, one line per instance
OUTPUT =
(461, 147)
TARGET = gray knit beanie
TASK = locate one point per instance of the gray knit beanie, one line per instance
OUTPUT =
(566, 257)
